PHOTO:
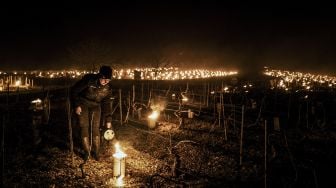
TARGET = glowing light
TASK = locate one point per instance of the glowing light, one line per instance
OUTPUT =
(184, 98)
(119, 165)
(154, 115)
(36, 101)
(306, 81)
(118, 152)
(171, 73)
(18, 83)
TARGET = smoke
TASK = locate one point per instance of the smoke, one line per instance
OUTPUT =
(158, 103)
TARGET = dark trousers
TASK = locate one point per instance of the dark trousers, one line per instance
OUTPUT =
(90, 113)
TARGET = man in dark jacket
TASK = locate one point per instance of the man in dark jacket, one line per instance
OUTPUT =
(87, 96)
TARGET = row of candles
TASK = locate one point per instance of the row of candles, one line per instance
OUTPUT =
(285, 79)
(171, 73)
(15, 82)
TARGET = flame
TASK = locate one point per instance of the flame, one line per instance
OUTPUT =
(18, 82)
(118, 152)
(154, 115)
(36, 101)
(184, 98)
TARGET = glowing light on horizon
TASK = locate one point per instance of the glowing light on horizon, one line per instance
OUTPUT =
(307, 81)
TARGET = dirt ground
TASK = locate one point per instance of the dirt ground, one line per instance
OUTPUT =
(198, 153)
(172, 156)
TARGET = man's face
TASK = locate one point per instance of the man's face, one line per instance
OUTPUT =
(104, 81)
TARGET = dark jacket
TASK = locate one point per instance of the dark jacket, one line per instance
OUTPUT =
(88, 91)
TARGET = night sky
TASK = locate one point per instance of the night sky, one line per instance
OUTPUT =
(204, 34)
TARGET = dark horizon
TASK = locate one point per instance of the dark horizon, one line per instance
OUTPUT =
(201, 34)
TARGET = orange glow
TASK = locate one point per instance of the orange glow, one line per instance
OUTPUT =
(118, 152)
(119, 168)
(154, 115)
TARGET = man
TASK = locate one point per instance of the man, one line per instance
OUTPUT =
(87, 96)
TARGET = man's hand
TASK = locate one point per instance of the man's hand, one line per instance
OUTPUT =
(78, 110)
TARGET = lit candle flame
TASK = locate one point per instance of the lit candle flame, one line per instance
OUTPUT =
(184, 98)
(18, 82)
(36, 101)
(118, 152)
(154, 115)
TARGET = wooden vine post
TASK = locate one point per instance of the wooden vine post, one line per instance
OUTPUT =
(265, 173)
(241, 137)
(68, 108)
(120, 107)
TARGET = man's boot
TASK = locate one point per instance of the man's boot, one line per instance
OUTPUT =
(96, 147)
(86, 148)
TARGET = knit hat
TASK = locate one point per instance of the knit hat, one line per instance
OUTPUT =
(105, 72)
